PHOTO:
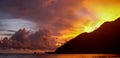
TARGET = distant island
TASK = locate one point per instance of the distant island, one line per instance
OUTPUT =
(105, 39)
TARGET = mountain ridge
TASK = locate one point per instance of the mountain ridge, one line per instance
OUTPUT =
(105, 39)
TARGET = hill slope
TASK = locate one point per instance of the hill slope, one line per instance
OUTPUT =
(105, 39)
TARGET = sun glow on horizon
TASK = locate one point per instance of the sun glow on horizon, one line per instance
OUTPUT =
(100, 11)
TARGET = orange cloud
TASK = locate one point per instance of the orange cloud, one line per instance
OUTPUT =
(65, 18)
(89, 15)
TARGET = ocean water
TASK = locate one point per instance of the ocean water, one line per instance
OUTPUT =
(59, 55)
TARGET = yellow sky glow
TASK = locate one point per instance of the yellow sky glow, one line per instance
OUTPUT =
(100, 12)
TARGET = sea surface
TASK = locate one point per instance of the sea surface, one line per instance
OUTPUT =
(59, 55)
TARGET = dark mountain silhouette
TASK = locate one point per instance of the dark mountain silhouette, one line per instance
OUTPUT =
(105, 39)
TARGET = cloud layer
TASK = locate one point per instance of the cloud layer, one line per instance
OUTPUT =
(23, 40)
(65, 19)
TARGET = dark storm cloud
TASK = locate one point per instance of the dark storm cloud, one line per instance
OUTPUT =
(23, 40)
(11, 31)
(17, 7)
(44, 12)
(51, 15)
(7, 34)
(26, 8)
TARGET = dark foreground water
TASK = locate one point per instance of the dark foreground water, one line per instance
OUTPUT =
(59, 55)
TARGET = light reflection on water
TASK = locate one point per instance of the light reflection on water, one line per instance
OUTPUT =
(59, 56)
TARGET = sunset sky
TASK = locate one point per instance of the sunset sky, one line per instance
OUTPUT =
(65, 19)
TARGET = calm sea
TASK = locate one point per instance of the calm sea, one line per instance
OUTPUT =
(59, 55)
